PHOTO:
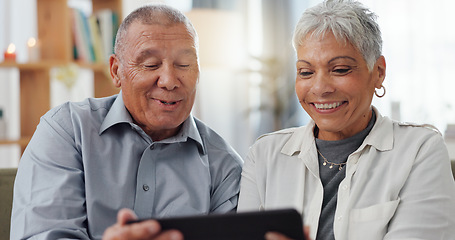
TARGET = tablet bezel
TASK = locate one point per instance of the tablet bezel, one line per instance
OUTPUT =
(237, 226)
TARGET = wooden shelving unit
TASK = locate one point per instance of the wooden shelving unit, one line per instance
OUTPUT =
(54, 33)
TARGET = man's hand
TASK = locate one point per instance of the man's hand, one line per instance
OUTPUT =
(279, 236)
(150, 229)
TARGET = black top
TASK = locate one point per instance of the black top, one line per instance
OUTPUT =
(335, 152)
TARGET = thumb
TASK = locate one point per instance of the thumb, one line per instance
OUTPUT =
(125, 215)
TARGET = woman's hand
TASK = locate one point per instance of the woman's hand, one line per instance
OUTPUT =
(279, 236)
(149, 229)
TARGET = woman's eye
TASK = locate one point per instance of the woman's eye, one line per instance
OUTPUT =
(342, 71)
(305, 73)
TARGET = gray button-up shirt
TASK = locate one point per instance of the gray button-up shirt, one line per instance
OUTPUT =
(87, 160)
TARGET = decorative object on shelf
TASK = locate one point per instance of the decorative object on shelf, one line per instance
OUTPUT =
(2, 126)
(67, 74)
(10, 53)
(42, 81)
(33, 49)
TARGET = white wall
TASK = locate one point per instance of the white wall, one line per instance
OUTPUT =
(419, 45)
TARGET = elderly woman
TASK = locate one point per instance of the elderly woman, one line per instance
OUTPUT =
(351, 172)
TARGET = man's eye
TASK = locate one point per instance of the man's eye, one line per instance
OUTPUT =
(183, 65)
(154, 66)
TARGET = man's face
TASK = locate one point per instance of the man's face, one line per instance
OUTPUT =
(158, 73)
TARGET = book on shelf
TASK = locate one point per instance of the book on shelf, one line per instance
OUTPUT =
(94, 35)
(81, 51)
(96, 38)
(108, 23)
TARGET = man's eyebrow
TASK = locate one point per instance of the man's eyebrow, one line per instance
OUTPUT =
(188, 51)
(146, 53)
(154, 52)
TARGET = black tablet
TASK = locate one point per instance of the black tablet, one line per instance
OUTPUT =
(237, 226)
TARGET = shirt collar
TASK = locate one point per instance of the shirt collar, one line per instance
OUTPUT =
(301, 140)
(380, 137)
(189, 130)
(119, 114)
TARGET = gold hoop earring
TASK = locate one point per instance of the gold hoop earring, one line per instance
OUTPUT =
(376, 93)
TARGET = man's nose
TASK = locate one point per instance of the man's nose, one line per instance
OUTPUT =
(168, 78)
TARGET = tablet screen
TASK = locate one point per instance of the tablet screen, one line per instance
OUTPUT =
(237, 226)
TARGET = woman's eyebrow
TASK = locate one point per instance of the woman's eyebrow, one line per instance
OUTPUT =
(330, 61)
(303, 61)
(342, 57)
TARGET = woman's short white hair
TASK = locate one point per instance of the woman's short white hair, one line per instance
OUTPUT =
(348, 20)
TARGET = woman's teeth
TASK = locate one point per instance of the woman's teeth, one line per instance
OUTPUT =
(326, 106)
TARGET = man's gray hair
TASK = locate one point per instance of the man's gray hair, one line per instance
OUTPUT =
(347, 20)
(153, 14)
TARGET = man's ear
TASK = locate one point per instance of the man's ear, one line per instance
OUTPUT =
(380, 71)
(113, 67)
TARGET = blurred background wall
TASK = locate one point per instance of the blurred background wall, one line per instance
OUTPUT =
(248, 64)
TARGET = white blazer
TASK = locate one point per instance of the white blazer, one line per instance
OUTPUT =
(398, 184)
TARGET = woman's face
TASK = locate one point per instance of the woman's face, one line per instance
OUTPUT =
(335, 87)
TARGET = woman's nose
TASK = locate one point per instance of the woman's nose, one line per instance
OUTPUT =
(322, 85)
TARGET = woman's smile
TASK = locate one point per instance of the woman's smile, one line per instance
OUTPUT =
(328, 106)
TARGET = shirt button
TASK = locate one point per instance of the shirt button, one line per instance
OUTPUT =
(345, 187)
(339, 218)
(152, 147)
(145, 187)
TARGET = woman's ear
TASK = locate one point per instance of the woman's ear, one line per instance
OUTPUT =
(113, 67)
(380, 68)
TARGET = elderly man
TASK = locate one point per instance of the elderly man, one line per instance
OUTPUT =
(141, 149)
